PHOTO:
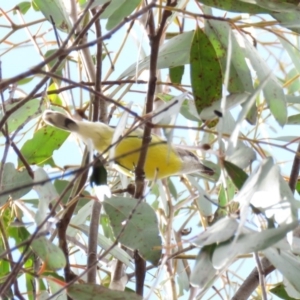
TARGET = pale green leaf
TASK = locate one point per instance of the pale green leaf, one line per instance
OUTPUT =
(12, 181)
(49, 253)
(141, 231)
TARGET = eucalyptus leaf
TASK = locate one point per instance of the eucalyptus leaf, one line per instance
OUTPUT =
(105, 243)
(40, 148)
(124, 9)
(203, 272)
(22, 115)
(12, 183)
(46, 192)
(287, 263)
(141, 232)
(175, 52)
(273, 91)
(205, 71)
(219, 232)
(232, 100)
(56, 10)
(50, 254)
(88, 291)
(249, 242)
(235, 6)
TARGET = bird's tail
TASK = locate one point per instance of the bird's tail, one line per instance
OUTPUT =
(206, 170)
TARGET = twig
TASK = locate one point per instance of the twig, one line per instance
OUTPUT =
(261, 276)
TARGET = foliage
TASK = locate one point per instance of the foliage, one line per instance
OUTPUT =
(219, 76)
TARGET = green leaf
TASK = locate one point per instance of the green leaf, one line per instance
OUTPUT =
(206, 73)
(294, 86)
(124, 9)
(13, 180)
(235, 6)
(22, 115)
(240, 77)
(287, 264)
(141, 232)
(298, 187)
(175, 52)
(290, 20)
(249, 242)
(279, 291)
(19, 234)
(293, 120)
(203, 272)
(49, 253)
(88, 291)
(60, 186)
(105, 243)
(225, 196)
(292, 51)
(237, 175)
(83, 3)
(188, 110)
(219, 232)
(54, 61)
(23, 7)
(54, 98)
(25, 80)
(279, 6)
(57, 10)
(41, 147)
(176, 74)
(272, 90)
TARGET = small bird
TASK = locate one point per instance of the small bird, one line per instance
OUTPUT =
(163, 160)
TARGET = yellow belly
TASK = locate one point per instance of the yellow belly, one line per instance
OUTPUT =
(161, 161)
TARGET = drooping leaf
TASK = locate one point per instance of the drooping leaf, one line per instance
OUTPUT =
(41, 147)
(237, 175)
(88, 291)
(279, 6)
(242, 155)
(12, 181)
(23, 7)
(287, 263)
(203, 272)
(83, 3)
(293, 120)
(272, 89)
(60, 185)
(219, 232)
(292, 51)
(49, 253)
(141, 232)
(175, 52)
(46, 193)
(239, 78)
(235, 6)
(294, 81)
(206, 72)
(56, 10)
(204, 205)
(280, 291)
(105, 243)
(289, 19)
(122, 9)
(22, 115)
(210, 112)
(176, 74)
(249, 242)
